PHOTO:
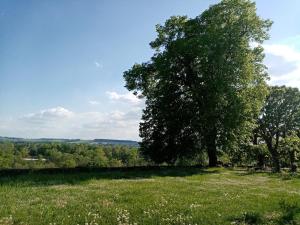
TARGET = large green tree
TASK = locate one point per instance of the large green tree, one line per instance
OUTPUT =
(279, 117)
(204, 84)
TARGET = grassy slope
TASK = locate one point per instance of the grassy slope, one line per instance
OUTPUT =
(169, 196)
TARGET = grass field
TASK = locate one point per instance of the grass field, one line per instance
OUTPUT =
(156, 196)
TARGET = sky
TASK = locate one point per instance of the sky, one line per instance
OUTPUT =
(62, 61)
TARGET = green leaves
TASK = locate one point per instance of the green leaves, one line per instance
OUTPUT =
(205, 84)
(279, 117)
(173, 29)
(281, 113)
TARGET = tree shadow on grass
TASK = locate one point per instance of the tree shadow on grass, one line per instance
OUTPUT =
(73, 176)
(246, 172)
(283, 175)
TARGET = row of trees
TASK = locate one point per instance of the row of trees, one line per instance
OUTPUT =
(49, 155)
(205, 89)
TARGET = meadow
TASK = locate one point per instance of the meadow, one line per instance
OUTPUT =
(149, 196)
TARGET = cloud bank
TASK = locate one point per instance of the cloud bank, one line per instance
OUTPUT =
(60, 122)
(283, 61)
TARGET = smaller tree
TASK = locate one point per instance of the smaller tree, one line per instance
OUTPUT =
(279, 117)
(290, 146)
(67, 161)
(258, 153)
(98, 158)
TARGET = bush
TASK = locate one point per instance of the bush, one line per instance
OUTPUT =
(249, 218)
(289, 212)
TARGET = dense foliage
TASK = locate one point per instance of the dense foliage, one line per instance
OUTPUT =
(279, 119)
(66, 155)
(205, 84)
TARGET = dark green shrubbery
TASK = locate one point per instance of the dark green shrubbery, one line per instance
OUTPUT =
(249, 218)
(286, 215)
(289, 213)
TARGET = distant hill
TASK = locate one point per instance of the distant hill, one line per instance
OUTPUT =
(94, 141)
(115, 142)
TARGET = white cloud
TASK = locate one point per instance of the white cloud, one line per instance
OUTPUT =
(128, 97)
(286, 70)
(91, 102)
(49, 114)
(60, 122)
(98, 64)
(286, 52)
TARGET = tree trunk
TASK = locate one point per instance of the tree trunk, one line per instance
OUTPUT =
(260, 157)
(276, 164)
(212, 148)
(275, 157)
(261, 161)
(255, 139)
(293, 162)
(212, 156)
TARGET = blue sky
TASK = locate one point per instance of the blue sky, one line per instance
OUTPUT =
(61, 61)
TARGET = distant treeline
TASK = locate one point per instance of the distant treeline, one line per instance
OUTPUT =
(64, 140)
(67, 155)
(29, 155)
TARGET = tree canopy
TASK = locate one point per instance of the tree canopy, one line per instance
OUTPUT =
(279, 118)
(205, 83)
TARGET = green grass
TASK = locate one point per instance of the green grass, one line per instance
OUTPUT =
(162, 196)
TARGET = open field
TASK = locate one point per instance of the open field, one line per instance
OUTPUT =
(156, 196)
